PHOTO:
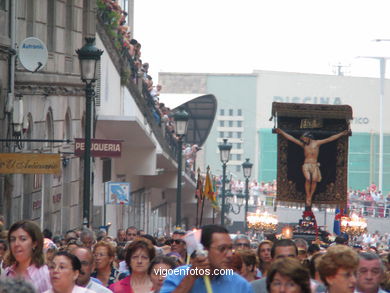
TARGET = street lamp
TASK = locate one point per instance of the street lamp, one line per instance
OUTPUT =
(224, 151)
(181, 123)
(382, 68)
(247, 169)
(89, 56)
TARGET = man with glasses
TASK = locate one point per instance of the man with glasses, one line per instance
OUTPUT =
(370, 273)
(242, 242)
(131, 233)
(216, 263)
(87, 267)
(178, 244)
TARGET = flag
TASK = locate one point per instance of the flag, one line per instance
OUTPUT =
(209, 190)
(337, 221)
(199, 187)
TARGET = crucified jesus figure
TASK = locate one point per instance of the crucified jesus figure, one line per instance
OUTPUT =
(311, 167)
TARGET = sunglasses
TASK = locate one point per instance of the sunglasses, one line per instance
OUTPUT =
(178, 241)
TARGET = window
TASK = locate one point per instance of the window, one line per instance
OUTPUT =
(230, 112)
(222, 112)
(221, 134)
(239, 112)
(50, 25)
(239, 145)
(230, 123)
(238, 168)
(238, 157)
(239, 123)
(222, 123)
(238, 134)
(3, 5)
(230, 134)
(106, 169)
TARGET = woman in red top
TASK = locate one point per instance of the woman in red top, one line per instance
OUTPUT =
(138, 256)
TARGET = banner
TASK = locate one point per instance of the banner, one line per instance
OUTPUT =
(21, 163)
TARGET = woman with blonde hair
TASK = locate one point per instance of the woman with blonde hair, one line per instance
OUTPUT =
(337, 269)
(104, 254)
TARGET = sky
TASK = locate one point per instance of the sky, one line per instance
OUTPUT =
(226, 36)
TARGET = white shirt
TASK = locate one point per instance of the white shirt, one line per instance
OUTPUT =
(95, 287)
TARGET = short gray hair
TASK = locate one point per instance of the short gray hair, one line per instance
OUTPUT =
(87, 233)
(11, 285)
(372, 256)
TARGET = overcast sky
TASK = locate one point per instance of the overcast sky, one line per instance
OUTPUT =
(226, 36)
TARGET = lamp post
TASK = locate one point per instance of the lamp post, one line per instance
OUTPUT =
(247, 170)
(224, 151)
(89, 56)
(382, 67)
(181, 123)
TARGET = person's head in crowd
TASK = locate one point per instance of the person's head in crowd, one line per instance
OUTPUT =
(370, 273)
(264, 256)
(87, 237)
(236, 263)
(26, 245)
(49, 249)
(313, 265)
(249, 264)
(302, 248)
(47, 233)
(179, 246)
(178, 234)
(131, 233)
(175, 256)
(3, 249)
(288, 275)
(104, 255)
(72, 244)
(337, 269)
(86, 259)
(11, 285)
(241, 242)
(216, 240)
(70, 234)
(313, 249)
(373, 249)
(121, 236)
(150, 238)
(57, 241)
(102, 235)
(284, 248)
(64, 271)
(139, 254)
(158, 269)
(341, 240)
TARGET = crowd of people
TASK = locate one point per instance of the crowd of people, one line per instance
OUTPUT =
(85, 261)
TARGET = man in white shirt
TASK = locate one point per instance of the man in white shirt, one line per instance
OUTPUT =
(87, 267)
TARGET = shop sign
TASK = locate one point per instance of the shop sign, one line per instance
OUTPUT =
(99, 147)
(22, 163)
(118, 193)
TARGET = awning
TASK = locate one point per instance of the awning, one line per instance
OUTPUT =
(202, 111)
